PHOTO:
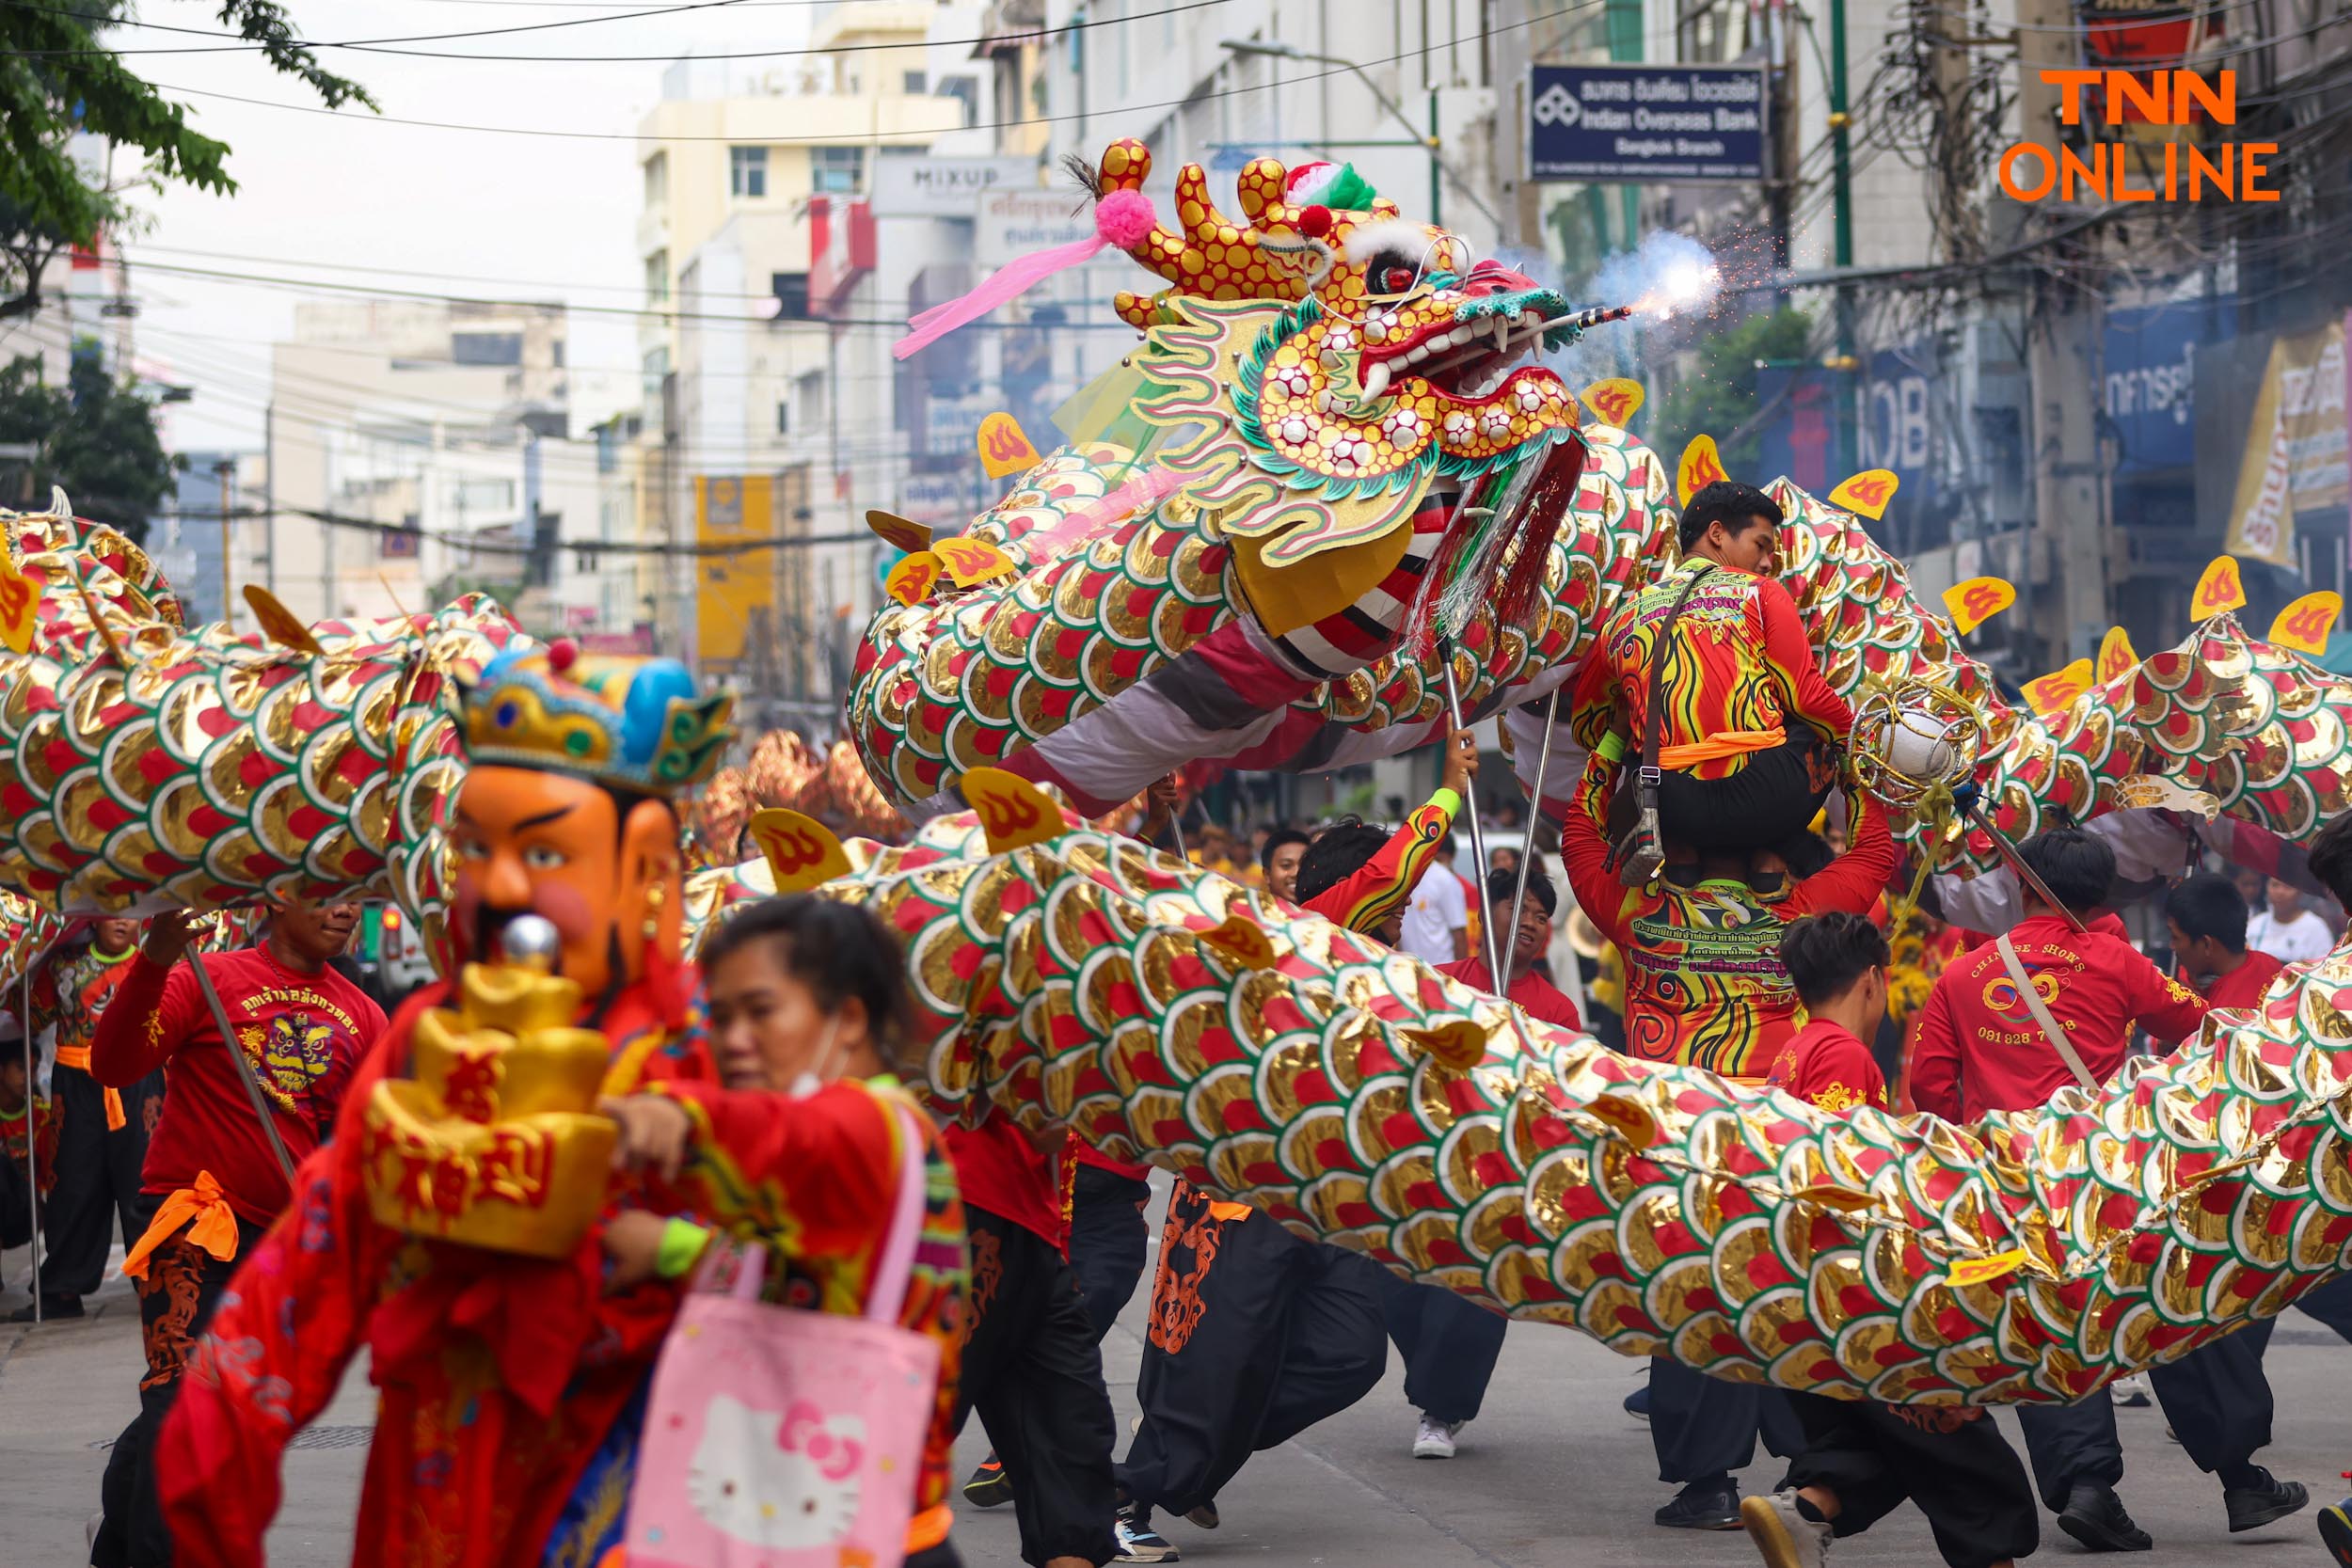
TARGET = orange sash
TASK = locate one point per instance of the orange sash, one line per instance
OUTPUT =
(214, 1230)
(1730, 743)
(78, 1055)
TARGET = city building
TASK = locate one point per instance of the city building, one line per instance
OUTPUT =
(416, 450)
(769, 409)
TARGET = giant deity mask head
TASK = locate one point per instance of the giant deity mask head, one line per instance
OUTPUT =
(568, 811)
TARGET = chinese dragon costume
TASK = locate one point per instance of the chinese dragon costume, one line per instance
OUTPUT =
(1330, 475)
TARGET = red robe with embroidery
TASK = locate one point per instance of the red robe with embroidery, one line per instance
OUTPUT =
(499, 1374)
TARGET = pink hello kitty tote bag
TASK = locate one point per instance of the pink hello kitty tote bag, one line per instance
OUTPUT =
(777, 1437)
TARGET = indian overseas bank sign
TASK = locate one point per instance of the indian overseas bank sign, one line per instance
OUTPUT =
(1646, 122)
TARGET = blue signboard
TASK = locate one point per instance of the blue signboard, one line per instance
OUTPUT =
(1895, 422)
(2151, 369)
(1643, 122)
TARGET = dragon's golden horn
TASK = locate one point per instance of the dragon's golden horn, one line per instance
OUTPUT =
(1126, 165)
(1261, 191)
(1204, 226)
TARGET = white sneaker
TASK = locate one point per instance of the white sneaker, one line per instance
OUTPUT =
(2129, 1393)
(1434, 1439)
(1138, 1542)
(1786, 1538)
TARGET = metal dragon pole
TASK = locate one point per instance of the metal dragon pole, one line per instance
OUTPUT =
(1527, 850)
(1470, 805)
(245, 1069)
(32, 1134)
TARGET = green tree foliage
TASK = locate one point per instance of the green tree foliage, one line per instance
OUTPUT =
(58, 76)
(95, 438)
(1718, 397)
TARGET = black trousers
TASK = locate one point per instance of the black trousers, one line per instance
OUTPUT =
(16, 1210)
(2216, 1398)
(1449, 1343)
(1255, 1336)
(2332, 1304)
(1960, 1472)
(1762, 806)
(1032, 1370)
(176, 1301)
(1108, 1240)
(98, 1179)
(1702, 1427)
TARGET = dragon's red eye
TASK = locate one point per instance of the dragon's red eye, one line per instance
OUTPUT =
(1396, 281)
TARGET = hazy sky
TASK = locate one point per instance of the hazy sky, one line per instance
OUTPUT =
(351, 191)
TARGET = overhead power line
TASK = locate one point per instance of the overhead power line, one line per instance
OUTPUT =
(843, 139)
(100, 18)
(365, 47)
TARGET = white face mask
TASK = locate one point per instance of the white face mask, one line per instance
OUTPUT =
(813, 1079)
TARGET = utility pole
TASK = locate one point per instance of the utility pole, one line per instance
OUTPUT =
(225, 471)
(1841, 193)
(2065, 326)
(269, 501)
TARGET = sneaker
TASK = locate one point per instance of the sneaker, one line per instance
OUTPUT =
(1710, 1504)
(1637, 1403)
(1138, 1542)
(1433, 1438)
(2335, 1531)
(1203, 1517)
(988, 1486)
(1786, 1537)
(2129, 1393)
(2252, 1506)
(2095, 1517)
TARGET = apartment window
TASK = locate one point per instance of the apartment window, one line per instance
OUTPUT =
(916, 84)
(808, 391)
(485, 348)
(657, 180)
(657, 277)
(966, 91)
(747, 172)
(784, 419)
(792, 292)
(836, 170)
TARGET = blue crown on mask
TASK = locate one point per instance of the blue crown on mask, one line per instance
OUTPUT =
(635, 723)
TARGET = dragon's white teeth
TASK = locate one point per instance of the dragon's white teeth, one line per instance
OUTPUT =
(1501, 333)
(1376, 379)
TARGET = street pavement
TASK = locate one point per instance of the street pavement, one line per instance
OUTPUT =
(1552, 1474)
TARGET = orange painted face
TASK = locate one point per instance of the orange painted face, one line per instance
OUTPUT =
(526, 841)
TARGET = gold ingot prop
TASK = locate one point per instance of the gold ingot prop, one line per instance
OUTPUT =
(496, 1142)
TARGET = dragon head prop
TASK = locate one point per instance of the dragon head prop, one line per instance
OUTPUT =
(1336, 358)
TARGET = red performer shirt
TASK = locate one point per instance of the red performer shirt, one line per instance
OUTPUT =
(998, 1170)
(1979, 1048)
(1362, 901)
(303, 1035)
(2243, 987)
(1740, 666)
(1827, 1064)
(1703, 981)
(1531, 993)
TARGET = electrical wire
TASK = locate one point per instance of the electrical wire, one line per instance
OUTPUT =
(370, 48)
(1108, 112)
(100, 18)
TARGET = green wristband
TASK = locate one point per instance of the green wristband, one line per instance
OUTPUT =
(682, 1248)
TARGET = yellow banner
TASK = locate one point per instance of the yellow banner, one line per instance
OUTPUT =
(735, 589)
(2294, 447)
